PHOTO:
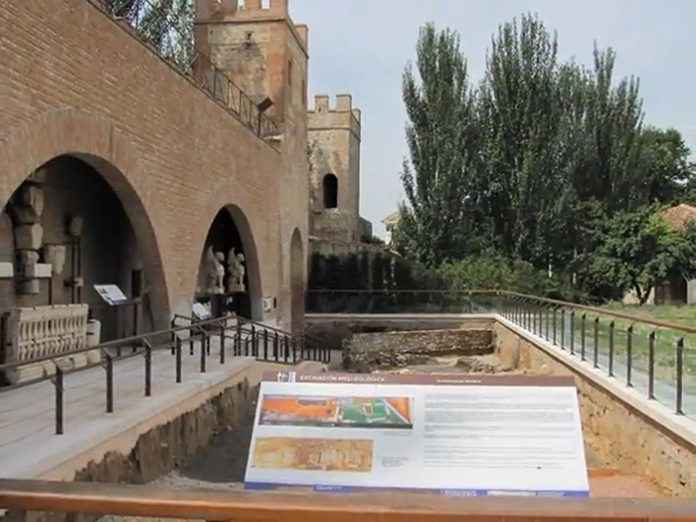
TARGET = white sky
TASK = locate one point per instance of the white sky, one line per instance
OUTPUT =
(361, 47)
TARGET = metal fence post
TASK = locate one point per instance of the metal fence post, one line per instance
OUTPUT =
(572, 332)
(546, 308)
(238, 340)
(148, 369)
(109, 384)
(612, 325)
(265, 345)
(203, 351)
(222, 343)
(253, 341)
(595, 356)
(276, 347)
(58, 383)
(178, 360)
(629, 355)
(583, 334)
(562, 328)
(680, 377)
(651, 365)
(554, 326)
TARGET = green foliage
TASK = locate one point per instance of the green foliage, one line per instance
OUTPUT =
(441, 137)
(532, 164)
(635, 251)
(167, 25)
(667, 174)
(496, 272)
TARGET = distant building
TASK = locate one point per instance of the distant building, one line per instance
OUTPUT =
(334, 135)
(390, 223)
(677, 290)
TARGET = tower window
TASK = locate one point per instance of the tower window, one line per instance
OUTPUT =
(290, 72)
(330, 191)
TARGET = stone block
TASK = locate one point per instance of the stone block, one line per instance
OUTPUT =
(26, 373)
(28, 237)
(6, 270)
(55, 256)
(94, 356)
(93, 333)
(25, 215)
(29, 287)
(33, 197)
(43, 271)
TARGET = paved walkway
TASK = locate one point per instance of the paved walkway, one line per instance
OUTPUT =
(29, 447)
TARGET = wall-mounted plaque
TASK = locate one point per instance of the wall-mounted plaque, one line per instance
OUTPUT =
(111, 294)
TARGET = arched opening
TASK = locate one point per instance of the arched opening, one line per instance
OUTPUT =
(672, 292)
(330, 191)
(297, 282)
(229, 280)
(75, 223)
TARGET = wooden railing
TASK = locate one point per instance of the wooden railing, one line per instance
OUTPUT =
(306, 506)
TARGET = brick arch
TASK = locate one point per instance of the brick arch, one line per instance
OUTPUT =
(97, 142)
(249, 247)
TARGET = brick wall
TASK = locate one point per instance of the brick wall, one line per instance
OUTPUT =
(74, 82)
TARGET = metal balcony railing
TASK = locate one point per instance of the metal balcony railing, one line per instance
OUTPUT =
(171, 36)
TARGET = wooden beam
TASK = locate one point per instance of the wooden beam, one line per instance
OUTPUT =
(307, 506)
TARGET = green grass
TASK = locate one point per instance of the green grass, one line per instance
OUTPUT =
(684, 315)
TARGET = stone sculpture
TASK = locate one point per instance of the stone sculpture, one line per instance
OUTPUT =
(55, 256)
(215, 272)
(235, 265)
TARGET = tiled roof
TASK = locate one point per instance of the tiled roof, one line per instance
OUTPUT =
(680, 216)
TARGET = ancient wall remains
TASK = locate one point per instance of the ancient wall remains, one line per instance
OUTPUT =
(366, 352)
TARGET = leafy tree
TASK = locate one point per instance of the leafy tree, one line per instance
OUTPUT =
(441, 136)
(166, 24)
(544, 151)
(666, 172)
(637, 250)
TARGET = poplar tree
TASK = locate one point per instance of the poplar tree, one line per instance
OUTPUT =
(441, 134)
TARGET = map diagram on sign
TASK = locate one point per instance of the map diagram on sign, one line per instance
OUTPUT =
(341, 412)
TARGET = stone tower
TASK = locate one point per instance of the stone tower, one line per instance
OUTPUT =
(334, 141)
(261, 49)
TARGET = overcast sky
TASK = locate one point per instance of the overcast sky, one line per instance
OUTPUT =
(361, 47)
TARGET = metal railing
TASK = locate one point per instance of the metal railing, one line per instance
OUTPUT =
(656, 358)
(171, 37)
(237, 338)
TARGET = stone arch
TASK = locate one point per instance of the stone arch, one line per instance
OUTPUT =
(95, 141)
(297, 282)
(233, 216)
(330, 186)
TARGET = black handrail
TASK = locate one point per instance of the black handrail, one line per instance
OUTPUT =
(143, 346)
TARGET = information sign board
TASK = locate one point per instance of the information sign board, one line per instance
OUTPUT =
(453, 434)
(111, 294)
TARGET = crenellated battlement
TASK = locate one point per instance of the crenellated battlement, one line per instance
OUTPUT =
(341, 114)
(229, 10)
